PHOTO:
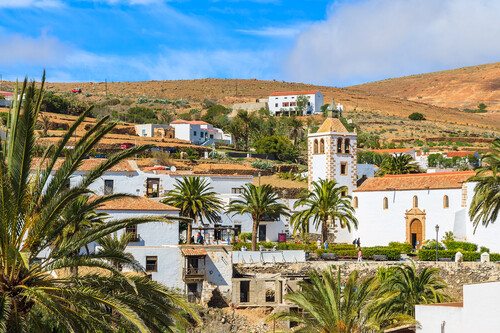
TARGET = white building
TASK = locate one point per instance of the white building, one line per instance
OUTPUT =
(7, 99)
(477, 313)
(199, 132)
(397, 151)
(287, 101)
(151, 130)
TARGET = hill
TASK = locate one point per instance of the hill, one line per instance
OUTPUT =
(461, 88)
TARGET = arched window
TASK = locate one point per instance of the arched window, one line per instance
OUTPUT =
(347, 146)
(315, 150)
(415, 201)
(322, 146)
(355, 202)
(386, 203)
(446, 202)
(339, 145)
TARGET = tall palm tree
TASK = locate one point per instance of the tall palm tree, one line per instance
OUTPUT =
(326, 203)
(329, 308)
(413, 288)
(247, 120)
(296, 129)
(260, 202)
(196, 199)
(398, 164)
(113, 246)
(40, 240)
(486, 201)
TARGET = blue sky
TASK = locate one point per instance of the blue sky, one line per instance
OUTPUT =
(317, 41)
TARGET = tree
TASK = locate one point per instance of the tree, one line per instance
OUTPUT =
(246, 119)
(326, 203)
(40, 245)
(278, 145)
(414, 288)
(235, 128)
(296, 129)
(260, 202)
(196, 200)
(45, 123)
(328, 308)
(398, 164)
(482, 107)
(485, 203)
(113, 246)
(416, 116)
(301, 107)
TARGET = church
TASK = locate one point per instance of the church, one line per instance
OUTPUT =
(408, 208)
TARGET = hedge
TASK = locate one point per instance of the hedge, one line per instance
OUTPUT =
(402, 247)
(430, 255)
(391, 252)
(465, 246)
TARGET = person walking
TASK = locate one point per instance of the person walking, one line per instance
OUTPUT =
(358, 242)
(360, 255)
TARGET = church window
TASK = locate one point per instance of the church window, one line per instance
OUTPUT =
(386, 203)
(343, 168)
(415, 201)
(446, 202)
(315, 150)
(347, 146)
(322, 146)
(339, 145)
(355, 202)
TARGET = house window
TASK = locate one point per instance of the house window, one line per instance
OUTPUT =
(308, 103)
(446, 202)
(276, 104)
(151, 264)
(322, 146)
(315, 149)
(285, 104)
(244, 291)
(415, 201)
(194, 133)
(347, 147)
(355, 202)
(343, 193)
(343, 168)
(293, 103)
(236, 190)
(108, 186)
(211, 136)
(132, 231)
(386, 203)
(339, 145)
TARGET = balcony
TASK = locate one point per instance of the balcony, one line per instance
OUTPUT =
(193, 273)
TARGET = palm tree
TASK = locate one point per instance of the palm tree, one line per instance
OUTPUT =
(329, 308)
(260, 202)
(40, 241)
(296, 129)
(326, 202)
(398, 164)
(45, 123)
(235, 128)
(113, 246)
(485, 204)
(413, 288)
(247, 120)
(196, 200)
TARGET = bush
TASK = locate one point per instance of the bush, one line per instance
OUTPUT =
(430, 255)
(431, 244)
(281, 146)
(262, 165)
(245, 235)
(416, 116)
(112, 101)
(464, 246)
(402, 247)
(484, 249)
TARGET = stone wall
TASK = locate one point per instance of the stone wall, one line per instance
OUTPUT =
(454, 274)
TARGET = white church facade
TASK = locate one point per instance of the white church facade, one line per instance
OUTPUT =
(401, 208)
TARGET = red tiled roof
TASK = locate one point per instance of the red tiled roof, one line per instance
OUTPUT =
(419, 181)
(88, 164)
(6, 93)
(194, 252)
(136, 203)
(460, 153)
(192, 122)
(392, 151)
(286, 93)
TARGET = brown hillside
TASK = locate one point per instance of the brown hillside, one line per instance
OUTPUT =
(457, 88)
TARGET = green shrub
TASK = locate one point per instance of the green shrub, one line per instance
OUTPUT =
(341, 247)
(494, 257)
(320, 252)
(262, 165)
(402, 247)
(430, 255)
(392, 253)
(484, 249)
(431, 244)
(465, 246)
(416, 116)
(245, 235)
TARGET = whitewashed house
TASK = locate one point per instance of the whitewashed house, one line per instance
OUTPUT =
(287, 101)
(199, 132)
(152, 130)
(7, 99)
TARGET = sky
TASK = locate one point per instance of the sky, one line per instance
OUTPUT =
(336, 43)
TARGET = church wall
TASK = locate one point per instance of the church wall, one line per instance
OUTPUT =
(379, 226)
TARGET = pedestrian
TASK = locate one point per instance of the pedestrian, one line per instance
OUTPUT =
(198, 235)
(354, 242)
(326, 245)
(358, 242)
(360, 255)
(318, 244)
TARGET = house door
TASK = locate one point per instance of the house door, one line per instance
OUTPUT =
(153, 187)
(262, 233)
(416, 233)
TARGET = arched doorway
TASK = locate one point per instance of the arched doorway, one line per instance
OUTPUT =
(416, 234)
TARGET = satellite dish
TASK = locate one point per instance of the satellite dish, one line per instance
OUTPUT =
(173, 168)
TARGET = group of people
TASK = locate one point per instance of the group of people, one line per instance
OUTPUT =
(357, 242)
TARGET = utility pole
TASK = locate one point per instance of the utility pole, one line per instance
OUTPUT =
(1, 81)
(106, 86)
(236, 87)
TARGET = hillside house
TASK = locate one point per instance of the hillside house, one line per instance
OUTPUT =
(199, 132)
(155, 130)
(280, 102)
(7, 99)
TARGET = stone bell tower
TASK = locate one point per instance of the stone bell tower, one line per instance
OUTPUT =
(332, 152)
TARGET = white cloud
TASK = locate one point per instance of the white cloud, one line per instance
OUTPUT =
(43, 50)
(276, 31)
(375, 39)
(30, 3)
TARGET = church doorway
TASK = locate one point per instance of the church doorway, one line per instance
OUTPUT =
(416, 233)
